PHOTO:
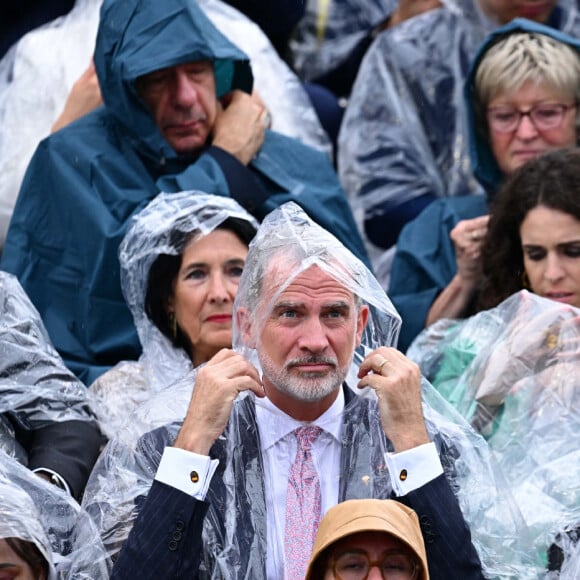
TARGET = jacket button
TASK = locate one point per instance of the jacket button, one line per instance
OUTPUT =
(177, 536)
(173, 545)
(179, 525)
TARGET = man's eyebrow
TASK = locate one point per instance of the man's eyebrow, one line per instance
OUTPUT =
(288, 304)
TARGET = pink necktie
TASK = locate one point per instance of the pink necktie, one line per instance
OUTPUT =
(303, 505)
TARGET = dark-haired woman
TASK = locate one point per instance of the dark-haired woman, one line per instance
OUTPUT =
(181, 261)
(512, 369)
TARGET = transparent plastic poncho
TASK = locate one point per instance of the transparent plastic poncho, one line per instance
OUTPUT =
(38, 72)
(36, 511)
(36, 389)
(404, 134)
(330, 30)
(288, 243)
(513, 372)
(151, 233)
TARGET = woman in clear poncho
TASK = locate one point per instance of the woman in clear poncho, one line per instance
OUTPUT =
(44, 534)
(290, 241)
(181, 261)
(512, 370)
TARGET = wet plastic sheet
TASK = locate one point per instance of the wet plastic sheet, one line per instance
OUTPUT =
(119, 391)
(38, 512)
(35, 386)
(513, 372)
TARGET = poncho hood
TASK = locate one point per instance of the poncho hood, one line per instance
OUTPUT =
(485, 167)
(136, 37)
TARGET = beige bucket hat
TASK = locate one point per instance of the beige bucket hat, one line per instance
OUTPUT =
(369, 515)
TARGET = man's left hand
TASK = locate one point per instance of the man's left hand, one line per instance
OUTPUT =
(397, 382)
(240, 125)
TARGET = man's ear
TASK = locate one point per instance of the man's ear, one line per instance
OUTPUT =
(361, 322)
(245, 327)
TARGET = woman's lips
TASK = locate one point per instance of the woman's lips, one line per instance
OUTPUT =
(219, 318)
(565, 297)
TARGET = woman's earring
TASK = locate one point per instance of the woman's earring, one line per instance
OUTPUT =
(525, 280)
(173, 325)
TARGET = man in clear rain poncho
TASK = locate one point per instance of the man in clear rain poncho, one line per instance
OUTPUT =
(213, 504)
(164, 228)
(403, 141)
(45, 419)
(43, 531)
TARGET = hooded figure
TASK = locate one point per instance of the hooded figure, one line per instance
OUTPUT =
(45, 419)
(85, 181)
(404, 140)
(64, 539)
(28, 113)
(229, 533)
(425, 261)
(154, 232)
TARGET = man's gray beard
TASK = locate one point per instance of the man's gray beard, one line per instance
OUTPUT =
(309, 387)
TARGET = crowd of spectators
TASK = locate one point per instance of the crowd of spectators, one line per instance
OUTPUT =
(290, 289)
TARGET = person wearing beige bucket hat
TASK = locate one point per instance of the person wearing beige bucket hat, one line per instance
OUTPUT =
(357, 535)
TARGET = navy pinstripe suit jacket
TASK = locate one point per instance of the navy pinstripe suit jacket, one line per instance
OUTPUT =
(169, 539)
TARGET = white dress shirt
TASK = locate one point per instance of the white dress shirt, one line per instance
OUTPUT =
(278, 444)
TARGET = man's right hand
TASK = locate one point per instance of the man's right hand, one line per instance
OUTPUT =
(217, 385)
(240, 125)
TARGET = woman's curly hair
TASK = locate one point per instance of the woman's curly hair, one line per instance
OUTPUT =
(552, 181)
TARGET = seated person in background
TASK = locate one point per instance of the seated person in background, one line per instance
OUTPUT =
(331, 39)
(178, 116)
(512, 370)
(225, 500)
(522, 94)
(38, 526)
(45, 419)
(358, 535)
(404, 140)
(181, 262)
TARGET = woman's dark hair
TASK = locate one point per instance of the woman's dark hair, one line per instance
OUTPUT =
(551, 180)
(164, 270)
(28, 552)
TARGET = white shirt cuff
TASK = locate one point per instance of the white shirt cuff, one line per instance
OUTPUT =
(409, 470)
(189, 472)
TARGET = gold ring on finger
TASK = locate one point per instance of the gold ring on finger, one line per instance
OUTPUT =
(381, 365)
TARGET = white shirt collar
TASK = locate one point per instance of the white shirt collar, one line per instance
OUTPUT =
(274, 424)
